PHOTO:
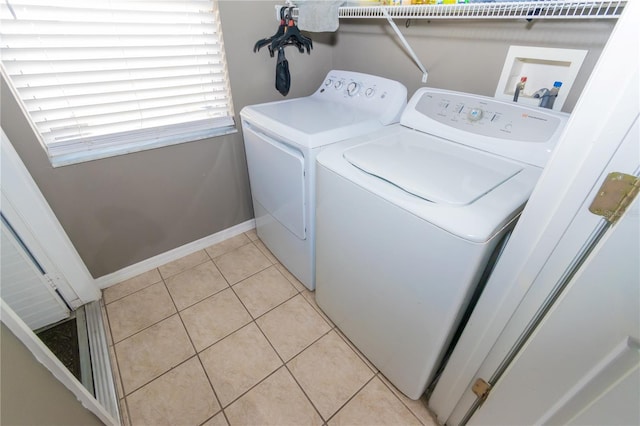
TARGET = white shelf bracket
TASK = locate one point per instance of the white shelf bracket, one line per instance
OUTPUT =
(406, 45)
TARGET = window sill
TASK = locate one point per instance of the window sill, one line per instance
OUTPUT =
(85, 155)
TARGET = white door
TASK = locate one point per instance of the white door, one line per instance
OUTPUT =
(26, 209)
(25, 285)
(582, 363)
(542, 246)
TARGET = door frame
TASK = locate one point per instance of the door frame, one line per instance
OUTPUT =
(590, 139)
(45, 357)
(26, 209)
(29, 214)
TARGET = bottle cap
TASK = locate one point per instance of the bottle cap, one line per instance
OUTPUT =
(557, 84)
(523, 79)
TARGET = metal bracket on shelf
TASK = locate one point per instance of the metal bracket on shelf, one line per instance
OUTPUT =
(288, 3)
(406, 45)
(395, 28)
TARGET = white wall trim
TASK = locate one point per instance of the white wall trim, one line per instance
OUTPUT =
(171, 255)
(51, 363)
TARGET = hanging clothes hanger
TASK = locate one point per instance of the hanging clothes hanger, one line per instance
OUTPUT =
(279, 33)
(287, 34)
(292, 36)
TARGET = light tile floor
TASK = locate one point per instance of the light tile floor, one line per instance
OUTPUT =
(227, 336)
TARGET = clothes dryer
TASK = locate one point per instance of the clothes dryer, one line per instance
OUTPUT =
(282, 140)
(408, 218)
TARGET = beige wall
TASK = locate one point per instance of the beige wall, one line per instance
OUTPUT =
(462, 55)
(30, 394)
(125, 209)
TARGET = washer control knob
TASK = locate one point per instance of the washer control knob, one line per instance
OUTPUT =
(338, 84)
(353, 88)
(474, 114)
(328, 82)
(370, 92)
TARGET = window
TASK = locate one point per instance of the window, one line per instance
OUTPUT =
(105, 77)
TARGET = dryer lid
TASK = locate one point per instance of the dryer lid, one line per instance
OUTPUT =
(310, 116)
(431, 168)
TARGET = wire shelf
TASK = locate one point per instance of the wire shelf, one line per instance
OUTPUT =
(545, 9)
(540, 9)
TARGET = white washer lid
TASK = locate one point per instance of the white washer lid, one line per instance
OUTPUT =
(444, 173)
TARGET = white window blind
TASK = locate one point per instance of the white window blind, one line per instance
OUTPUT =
(100, 77)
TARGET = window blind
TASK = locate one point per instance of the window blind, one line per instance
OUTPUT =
(103, 76)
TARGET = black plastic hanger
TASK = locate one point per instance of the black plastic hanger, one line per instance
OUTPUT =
(279, 33)
(291, 36)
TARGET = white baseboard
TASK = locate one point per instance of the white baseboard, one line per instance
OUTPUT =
(166, 257)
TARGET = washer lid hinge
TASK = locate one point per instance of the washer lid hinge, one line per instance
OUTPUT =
(614, 196)
(481, 388)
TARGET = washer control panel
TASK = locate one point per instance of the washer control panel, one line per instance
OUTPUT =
(487, 116)
(506, 128)
(384, 99)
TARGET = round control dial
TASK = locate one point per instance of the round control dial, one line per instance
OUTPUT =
(475, 114)
(338, 84)
(353, 88)
(370, 92)
(328, 82)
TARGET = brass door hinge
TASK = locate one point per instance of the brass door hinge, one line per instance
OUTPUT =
(614, 196)
(481, 389)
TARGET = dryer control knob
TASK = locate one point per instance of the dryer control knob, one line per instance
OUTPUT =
(353, 88)
(370, 92)
(338, 84)
(475, 114)
(328, 82)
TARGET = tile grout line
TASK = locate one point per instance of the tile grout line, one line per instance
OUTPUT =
(146, 328)
(127, 295)
(351, 398)
(185, 269)
(247, 277)
(122, 397)
(206, 297)
(397, 397)
(295, 379)
(285, 364)
(376, 372)
(215, 394)
(197, 354)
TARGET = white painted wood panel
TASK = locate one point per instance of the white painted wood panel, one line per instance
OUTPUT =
(25, 288)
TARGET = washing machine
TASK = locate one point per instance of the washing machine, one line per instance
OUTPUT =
(282, 140)
(409, 217)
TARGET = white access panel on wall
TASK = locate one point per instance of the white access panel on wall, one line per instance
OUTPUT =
(542, 67)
